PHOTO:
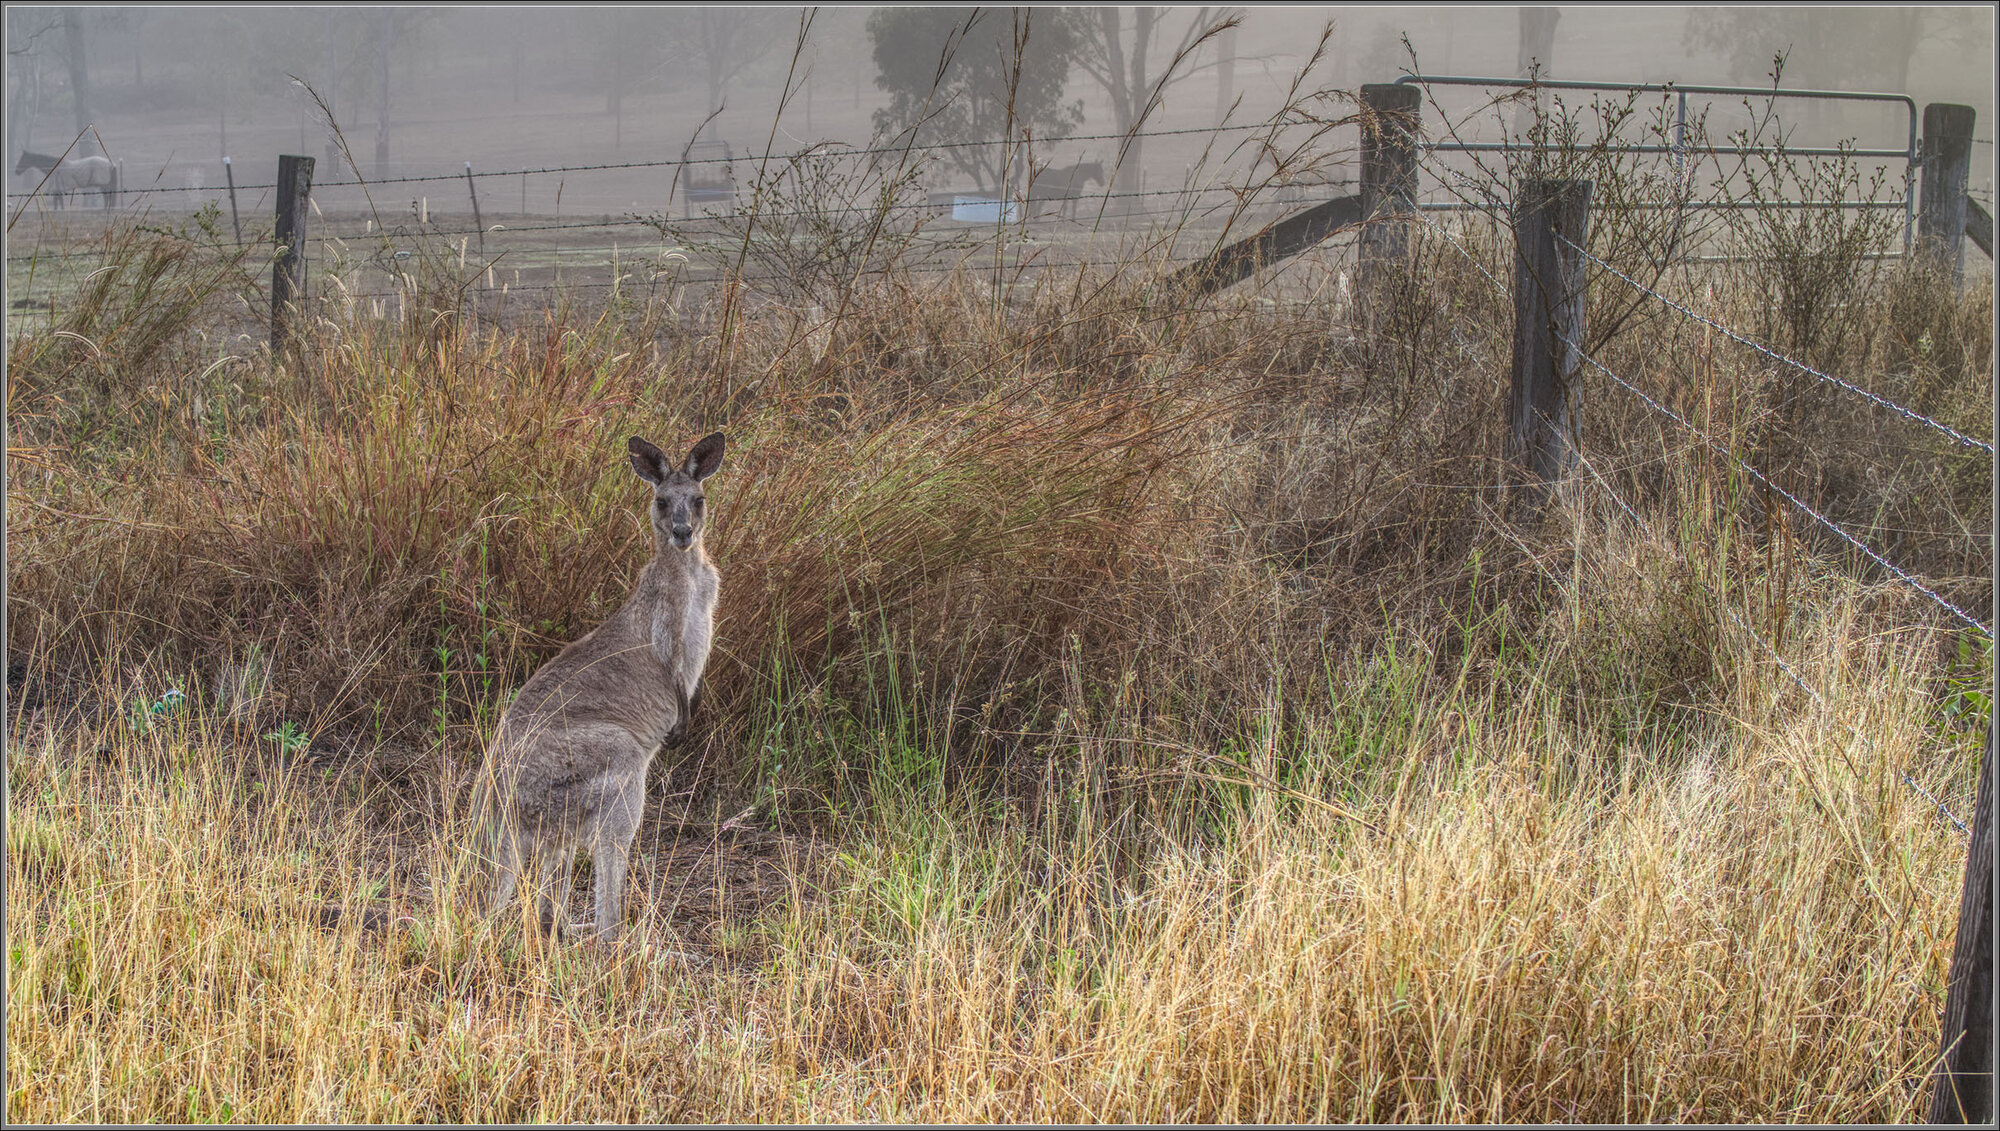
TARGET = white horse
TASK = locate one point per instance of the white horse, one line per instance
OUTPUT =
(74, 174)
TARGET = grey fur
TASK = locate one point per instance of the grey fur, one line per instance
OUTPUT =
(567, 766)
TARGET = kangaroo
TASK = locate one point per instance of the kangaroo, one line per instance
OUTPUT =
(567, 765)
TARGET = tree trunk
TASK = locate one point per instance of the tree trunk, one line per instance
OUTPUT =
(1225, 66)
(331, 94)
(1538, 39)
(388, 35)
(24, 83)
(1909, 31)
(715, 47)
(79, 76)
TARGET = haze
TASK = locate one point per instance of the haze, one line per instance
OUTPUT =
(170, 91)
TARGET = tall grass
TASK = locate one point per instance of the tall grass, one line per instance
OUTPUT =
(1512, 921)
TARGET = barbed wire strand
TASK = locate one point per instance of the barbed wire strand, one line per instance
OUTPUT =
(663, 279)
(749, 157)
(1771, 651)
(1803, 507)
(634, 221)
(1876, 398)
(1894, 570)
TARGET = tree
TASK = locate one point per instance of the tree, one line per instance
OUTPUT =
(1122, 66)
(627, 48)
(975, 75)
(1844, 48)
(1533, 58)
(732, 40)
(79, 76)
(30, 41)
(633, 48)
(1536, 51)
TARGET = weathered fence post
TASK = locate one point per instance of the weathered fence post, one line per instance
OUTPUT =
(1947, 162)
(1964, 1076)
(1551, 222)
(235, 221)
(288, 273)
(473, 188)
(1390, 115)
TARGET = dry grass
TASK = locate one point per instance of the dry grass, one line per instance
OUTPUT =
(1132, 710)
(1521, 924)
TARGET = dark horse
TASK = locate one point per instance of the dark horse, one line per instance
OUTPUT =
(75, 174)
(1060, 187)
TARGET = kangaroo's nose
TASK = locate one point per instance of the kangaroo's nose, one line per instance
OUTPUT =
(683, 534)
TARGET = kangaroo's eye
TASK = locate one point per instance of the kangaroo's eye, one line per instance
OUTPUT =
(660, 505)
(697, 502)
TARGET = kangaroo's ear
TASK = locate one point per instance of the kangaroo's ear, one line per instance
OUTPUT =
(649, 461)
(705, 458)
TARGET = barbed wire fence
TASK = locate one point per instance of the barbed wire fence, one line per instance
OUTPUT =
(1491, 201)
(1480, 191)
(1019, 234)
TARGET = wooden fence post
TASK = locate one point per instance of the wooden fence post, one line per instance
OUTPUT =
(1964, 1076)
(1549, 217)
(1947, 162)
(473, 188)
(1390, 117)
(235, 221)
(288, 273)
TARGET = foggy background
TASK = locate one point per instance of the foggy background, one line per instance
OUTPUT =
(423, 91)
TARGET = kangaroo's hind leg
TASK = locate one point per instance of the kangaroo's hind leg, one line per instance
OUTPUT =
(506, 847)
(553, 867)
(611, 850)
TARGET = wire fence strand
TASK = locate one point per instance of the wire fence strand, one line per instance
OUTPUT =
(1801, 505)
(747, 158)
(1874, 398)
(1772, 652)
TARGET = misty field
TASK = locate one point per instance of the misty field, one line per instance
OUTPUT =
(1128, 704)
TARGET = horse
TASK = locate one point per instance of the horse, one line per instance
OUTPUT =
(1061, 187)
(63, 176)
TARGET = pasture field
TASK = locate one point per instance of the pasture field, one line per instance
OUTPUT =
(1125, 706)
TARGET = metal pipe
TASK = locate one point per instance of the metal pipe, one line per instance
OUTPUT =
(1910, 155)
(1454, 206)
(1514, 147)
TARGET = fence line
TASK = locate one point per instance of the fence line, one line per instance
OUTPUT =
(1770, 650)
(634, 221)
(1492, 211)
(748, 158)
(1875, 398)
(1804, 508)
(726, 276)
(912, 206)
